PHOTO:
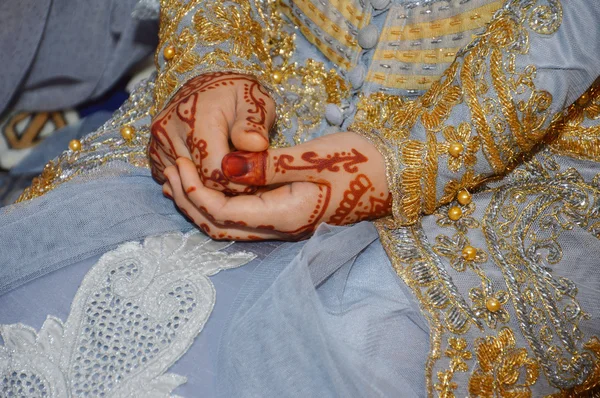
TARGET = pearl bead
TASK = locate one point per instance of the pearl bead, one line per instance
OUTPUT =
(469, 253)
(127, 132)
(464, 197)
(455, 149)
(75, 145)
(492, 304)
(169, 53)
(454, 213)
(277, 77)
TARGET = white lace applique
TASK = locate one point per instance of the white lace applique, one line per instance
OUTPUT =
(136, 312)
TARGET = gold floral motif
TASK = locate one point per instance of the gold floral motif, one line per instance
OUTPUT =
(481, 297)
(463, 223)
(453, 249)
(503, 370)
(461, 136)
(458, 353)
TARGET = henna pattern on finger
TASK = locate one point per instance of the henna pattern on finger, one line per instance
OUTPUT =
(255, 96)
(319, 164)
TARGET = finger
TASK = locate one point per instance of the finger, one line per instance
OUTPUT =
(208, 144)
(163, 131)
(167, 190)
(158, 161)
(175, 189)
(289, 209)
(314, 161)
(255, 115)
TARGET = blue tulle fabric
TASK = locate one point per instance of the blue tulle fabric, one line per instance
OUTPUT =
(326, 318)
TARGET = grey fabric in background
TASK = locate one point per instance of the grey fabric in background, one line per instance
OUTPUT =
(60, 53)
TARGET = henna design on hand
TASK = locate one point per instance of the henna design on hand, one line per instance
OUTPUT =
(377, 208)
(351, 199)
(329, 163)
(183, 106)
(256, 123)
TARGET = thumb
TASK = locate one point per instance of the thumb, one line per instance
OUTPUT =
(255, 116)
(309, 162)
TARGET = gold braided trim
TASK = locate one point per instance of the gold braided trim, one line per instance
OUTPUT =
(328, 26)
(477, 115)
(329, 52)
(473, 19)
(437, 56)
(351, 12)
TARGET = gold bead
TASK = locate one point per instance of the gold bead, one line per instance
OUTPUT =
(469, 253)
(454, 213)
(127, 132)
(455, 149)
(169, 53)
(464, 197)
(277, 77)
(492, 304)
(75, 145)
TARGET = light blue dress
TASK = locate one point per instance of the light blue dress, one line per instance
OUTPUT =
(332, 316)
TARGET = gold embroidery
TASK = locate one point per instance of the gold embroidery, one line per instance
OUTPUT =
(314, 87)
(458, 354)
(249, 35)
(461, 136)
(569, 136)
(481, 298)
(505, 128)
(501, 366)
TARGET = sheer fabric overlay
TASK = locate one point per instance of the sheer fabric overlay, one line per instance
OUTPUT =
(325, 318)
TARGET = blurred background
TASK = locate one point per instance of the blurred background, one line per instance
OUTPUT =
(67, 66)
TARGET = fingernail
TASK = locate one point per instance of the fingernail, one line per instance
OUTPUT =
(235, 165)
(245, 167)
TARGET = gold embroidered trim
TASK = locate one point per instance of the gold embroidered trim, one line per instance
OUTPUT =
(485, 80)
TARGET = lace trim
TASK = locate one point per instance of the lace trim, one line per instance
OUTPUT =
(136, 312)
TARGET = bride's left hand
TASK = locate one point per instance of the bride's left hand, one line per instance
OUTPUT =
(338, 179)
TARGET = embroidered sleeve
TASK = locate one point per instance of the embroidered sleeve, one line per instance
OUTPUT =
(491, 107)
(201, 36)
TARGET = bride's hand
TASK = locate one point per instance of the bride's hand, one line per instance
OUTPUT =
(338, 179)
(201, 120)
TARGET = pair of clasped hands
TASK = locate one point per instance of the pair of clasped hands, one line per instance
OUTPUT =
(210, 151)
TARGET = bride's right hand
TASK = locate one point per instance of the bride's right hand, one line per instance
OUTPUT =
(208, 114)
